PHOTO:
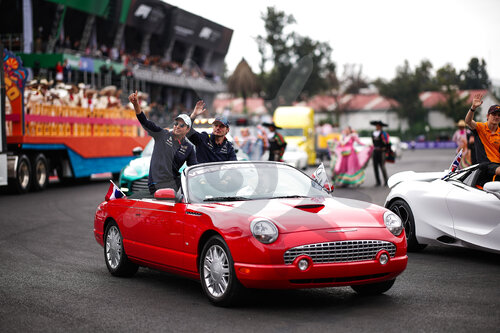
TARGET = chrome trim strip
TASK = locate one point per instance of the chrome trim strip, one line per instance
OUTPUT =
(344, 230)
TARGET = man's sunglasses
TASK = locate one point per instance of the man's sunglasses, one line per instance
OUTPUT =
(180, 125)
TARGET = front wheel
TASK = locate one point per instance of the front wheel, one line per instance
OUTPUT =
(373, 288)
(403, 210)
(217, 274)
(114, 254)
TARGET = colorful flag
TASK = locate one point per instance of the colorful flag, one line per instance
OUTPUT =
(456, 162)
(114, 192)
(321, 177)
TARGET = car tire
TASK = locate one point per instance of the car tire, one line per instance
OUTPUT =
(373, 288)
(40, 172)
(217, 275)
(403, 210)
(114, 254)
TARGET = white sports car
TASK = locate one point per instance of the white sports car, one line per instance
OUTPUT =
(458, 209)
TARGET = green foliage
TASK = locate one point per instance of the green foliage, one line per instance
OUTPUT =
(405, 89)
(454, 105)
(476, 75)
(447, 76)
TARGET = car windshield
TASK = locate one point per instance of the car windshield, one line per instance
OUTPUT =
(148, 150)
(248, 181)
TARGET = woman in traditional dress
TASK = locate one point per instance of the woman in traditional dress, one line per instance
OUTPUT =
(350, 164)
(460, 137)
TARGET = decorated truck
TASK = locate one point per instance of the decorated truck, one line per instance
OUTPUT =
(63, 141)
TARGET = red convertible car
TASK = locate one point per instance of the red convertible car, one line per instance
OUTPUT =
(237, 225)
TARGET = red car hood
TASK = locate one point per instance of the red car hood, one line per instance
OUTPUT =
(292, 215)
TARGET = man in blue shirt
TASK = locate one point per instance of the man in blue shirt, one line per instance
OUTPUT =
(211, 147)
(170, 151)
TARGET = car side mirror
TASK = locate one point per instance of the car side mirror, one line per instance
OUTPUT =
(137, 151)
(168, 194)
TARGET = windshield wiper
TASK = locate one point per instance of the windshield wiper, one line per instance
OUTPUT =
(289, 196)
(227, 199)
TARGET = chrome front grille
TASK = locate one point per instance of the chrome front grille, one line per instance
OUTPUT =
(139, 184)
(341, 251)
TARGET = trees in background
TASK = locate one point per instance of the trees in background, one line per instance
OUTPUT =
(408, 84)
(293, 67)
(243, 82)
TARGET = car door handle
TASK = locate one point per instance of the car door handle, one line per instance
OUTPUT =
(137, 214)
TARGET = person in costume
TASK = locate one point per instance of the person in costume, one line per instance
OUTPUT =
(350, 165)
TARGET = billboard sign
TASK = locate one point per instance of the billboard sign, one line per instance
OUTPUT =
(149, 16)
(197, 30)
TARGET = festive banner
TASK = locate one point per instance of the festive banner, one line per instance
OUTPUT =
(15, 80)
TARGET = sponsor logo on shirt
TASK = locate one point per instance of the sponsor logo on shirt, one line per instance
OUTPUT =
(183, 150)
(169, 142)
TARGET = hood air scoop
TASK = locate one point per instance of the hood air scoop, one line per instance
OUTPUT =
(311, 208)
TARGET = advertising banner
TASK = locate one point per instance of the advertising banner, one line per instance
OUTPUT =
(196, 30)
(149, 16)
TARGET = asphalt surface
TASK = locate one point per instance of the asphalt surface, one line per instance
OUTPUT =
(53, 279)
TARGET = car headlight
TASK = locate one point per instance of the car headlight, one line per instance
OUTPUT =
(393, 223)
(264, 230)
(130, 172)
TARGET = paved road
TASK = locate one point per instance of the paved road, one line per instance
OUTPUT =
(53, 279)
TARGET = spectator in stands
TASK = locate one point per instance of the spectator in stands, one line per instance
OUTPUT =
(59, 72)
(486, 135)
(67, 43)
(170, 151)
(66, 71)
(212, 147)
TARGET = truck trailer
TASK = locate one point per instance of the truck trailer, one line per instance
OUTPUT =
(70, 142)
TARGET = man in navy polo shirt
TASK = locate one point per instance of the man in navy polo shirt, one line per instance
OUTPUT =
(211, 147)
(170, 151)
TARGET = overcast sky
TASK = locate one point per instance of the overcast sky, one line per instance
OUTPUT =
(377, 34)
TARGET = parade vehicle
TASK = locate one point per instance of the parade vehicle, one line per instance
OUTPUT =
(238, 225)
(459, 208)
(70, 142)
(295, 156)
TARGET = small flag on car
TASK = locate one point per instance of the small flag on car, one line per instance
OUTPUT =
(456, 162)
(321, 177)
(114, 192)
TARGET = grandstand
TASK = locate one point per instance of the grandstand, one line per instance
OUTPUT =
(175, 56)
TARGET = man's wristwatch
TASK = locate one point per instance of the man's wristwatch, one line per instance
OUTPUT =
(473, 110)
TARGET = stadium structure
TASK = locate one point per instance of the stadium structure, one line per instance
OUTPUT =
(174, 56)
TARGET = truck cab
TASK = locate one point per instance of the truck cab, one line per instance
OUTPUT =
(297, 123)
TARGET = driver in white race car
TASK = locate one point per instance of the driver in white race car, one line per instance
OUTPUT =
(486, 136)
